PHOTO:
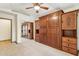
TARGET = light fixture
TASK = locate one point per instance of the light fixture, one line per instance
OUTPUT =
(36, 7)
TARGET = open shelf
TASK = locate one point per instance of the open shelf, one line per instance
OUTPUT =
(69, 33)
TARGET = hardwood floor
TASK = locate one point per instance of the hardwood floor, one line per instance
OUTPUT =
(5, 42)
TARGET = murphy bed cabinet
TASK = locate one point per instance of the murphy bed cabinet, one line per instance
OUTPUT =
(69, 32)
(58, 30)
(49, 29)
(54, 29)
(43, 29)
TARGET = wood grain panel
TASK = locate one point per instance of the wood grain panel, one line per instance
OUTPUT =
(69, 21)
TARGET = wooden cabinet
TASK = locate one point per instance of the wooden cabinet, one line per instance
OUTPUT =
(37, 27)
(30, 30)
(53, 20)
(69, 20)
(54, 29)
(43, 29)
(27, 30)
(69, 44)
(49, 29)
(69, 32)
(58, 30)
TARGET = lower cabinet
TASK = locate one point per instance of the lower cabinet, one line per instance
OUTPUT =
(69, 45)
(69, 50)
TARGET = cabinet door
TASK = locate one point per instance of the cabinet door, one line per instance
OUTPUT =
(69, 20)
(43, 29)
(53, 19)
(70, 43)
(30, 30)
(54, 30)
(53, 37)
(65, 49)
(37, 27)
(73, 51)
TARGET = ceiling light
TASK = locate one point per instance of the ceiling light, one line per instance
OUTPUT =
(36, 7)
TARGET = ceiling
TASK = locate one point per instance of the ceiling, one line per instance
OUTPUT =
(20, 7)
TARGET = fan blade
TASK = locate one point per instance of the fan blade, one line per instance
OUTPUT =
(34, 4)
(29, 7)
(43, 7)
(37, 11)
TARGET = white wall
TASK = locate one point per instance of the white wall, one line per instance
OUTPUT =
(5, 29)
(17, 20)
(12, 17)
(20, 19)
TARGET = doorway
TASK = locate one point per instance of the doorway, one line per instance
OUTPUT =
(5, 30)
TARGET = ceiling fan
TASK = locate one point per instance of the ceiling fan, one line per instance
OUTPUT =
(37, 6)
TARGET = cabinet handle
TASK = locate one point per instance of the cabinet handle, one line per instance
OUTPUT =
(68, 39)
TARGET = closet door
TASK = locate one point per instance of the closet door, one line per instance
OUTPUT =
(53, 20)
(54, 29)
(43, 29)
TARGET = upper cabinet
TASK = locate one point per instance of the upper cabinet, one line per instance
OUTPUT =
(69, 21)
(37, 26)
(53, 19)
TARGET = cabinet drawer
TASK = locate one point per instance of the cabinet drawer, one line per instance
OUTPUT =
(72, 46)
(65, 49)
(72, 51)
(72, 40)
(65, 39)
(69, 40)
(65, 44)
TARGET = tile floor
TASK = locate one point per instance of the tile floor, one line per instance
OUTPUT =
(29, 48)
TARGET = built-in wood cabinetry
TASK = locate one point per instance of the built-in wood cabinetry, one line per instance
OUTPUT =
(54, 29)
(30, 30)
(37, 27)
(69, 32)
(27, 30)
(69, 45)
(43, 29)
(58, 30)
(50, 29)
(69, 20)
